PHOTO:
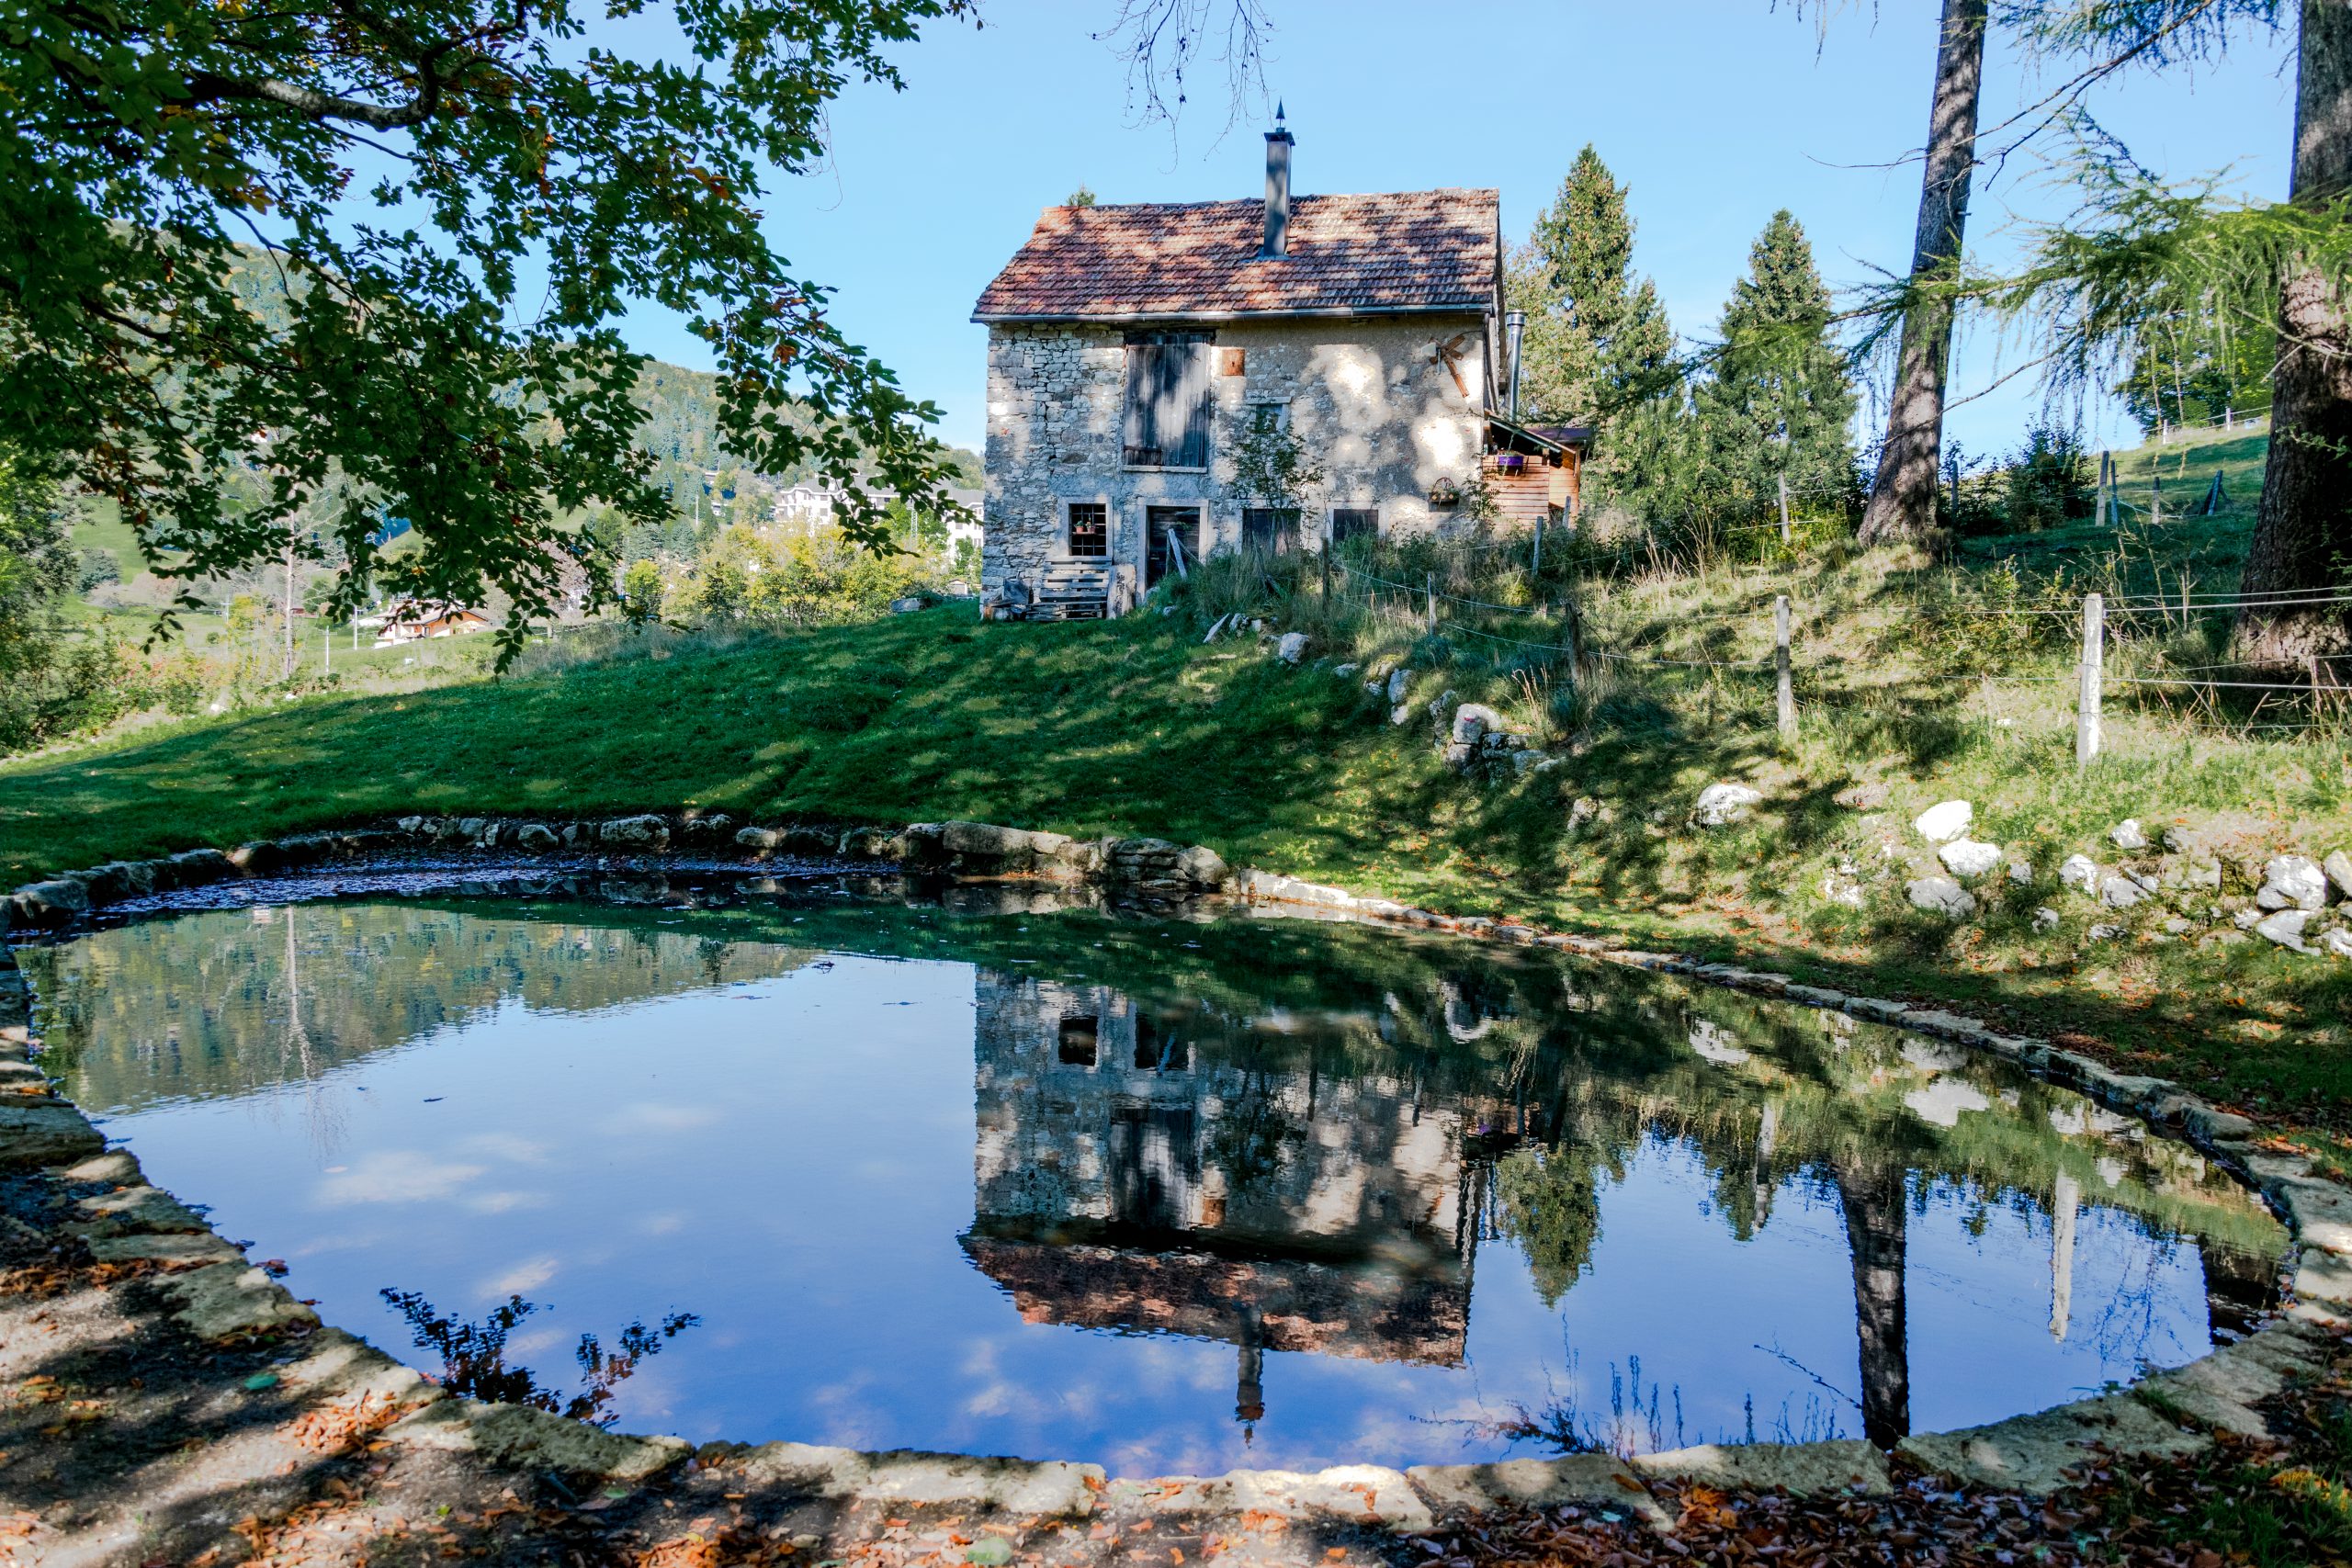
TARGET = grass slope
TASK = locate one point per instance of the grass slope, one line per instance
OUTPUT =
(1135, 727)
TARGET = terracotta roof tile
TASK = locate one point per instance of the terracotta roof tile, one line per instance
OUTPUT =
(1427, 250)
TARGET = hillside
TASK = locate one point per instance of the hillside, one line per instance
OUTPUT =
(1139, 727)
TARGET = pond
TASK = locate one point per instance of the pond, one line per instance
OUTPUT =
(844, 1164)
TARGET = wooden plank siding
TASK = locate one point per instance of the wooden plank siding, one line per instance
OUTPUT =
(1522, 498)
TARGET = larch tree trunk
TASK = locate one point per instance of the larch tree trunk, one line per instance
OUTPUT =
(1903, 496)
(2302, 534)
(1877, 1219)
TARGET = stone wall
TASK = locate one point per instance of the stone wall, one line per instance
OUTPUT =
(1389, 407)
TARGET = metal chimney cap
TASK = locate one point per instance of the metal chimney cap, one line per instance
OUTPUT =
(1514, 318)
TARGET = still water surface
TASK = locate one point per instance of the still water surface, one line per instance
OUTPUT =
(1166, 1195)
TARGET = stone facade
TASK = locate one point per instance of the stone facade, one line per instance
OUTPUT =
(1389, 406)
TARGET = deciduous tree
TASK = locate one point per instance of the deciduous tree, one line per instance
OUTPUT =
(392, 242)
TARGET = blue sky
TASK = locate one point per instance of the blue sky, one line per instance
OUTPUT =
(1716, 112)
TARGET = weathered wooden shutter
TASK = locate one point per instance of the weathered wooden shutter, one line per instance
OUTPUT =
(1146, 368)
(1166, 423)
(1191, 398)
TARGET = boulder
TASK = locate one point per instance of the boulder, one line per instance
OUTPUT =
(1203, 867)
(2338, 866)
(2336, 940)
(759, 839)
(984, 842)
(648, 832)
(536, 837)
(2021, 872)
(1945, 820)
(2079, 872)
(1291, 647)
(1968, 857)
(1473, 722)
(2293, 882)
(2044, 918)
(2128, 836)
(1722, 804)
(873, 843)
(2285, 927)
(2121, 892)
(59, 901)
(1941, 896)
(1399, 683)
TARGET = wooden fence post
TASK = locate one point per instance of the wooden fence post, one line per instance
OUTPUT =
(1430, 586)
(1784, 511)
(2086, 699)
(1784, 677)
(2107, 490)
(1326, 553)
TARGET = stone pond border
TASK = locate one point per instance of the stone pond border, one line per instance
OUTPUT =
(215, 1294)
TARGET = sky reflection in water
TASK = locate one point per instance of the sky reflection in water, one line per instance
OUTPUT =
(1166, 1196)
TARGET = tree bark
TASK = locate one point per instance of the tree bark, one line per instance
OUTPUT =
(2302, 532)
(1877, 1217)
(1903, 495)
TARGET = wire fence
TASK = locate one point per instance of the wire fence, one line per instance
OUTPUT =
(2326, 700)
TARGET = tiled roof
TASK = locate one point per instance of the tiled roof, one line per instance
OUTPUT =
(1424, 250)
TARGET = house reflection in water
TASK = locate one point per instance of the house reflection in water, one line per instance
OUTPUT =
(1150, 1171)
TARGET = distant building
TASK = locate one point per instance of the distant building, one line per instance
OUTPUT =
(1132, 350)
(408, 620)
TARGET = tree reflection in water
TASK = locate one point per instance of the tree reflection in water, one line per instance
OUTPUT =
(473, 1356)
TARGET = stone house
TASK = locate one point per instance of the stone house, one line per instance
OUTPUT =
(1132, 347)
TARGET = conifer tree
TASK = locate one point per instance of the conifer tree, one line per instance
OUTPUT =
(1598, 345)
(1780, 403)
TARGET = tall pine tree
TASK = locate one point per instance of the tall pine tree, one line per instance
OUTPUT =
(1598, 349)
(1780, 403)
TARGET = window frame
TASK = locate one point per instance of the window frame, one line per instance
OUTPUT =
(1067, 505)
(1331, 519)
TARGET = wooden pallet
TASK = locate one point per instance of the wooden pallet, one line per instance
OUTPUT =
(1072, 594)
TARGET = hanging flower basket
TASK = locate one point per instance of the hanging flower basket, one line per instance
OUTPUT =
(1445, 492)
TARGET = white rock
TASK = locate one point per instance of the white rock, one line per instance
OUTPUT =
(1344, 669)
(2044, 918)
(1399, 683)
(1842, 889)
(2080, 872)
(1291, 647)
(2021, 873)
(2128, 836)
(1720, 804)
(2296, 879)
(2285, 927)
(1947, 819)
(2120, 893)
(2103, 933)
(2337, 941)
(1967, 857)
(1400, 713)
(1942, 896)
(2339, 870)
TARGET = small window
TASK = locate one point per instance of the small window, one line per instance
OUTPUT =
(1078, 1039)
(1268, 530)
(1354, 522)
(1090, 528)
